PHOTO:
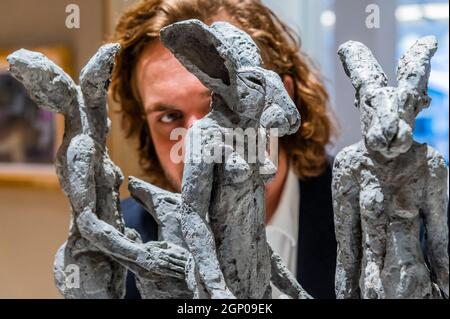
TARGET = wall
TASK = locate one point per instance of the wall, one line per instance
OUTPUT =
(33, 224)
(28, 23)
(303, 17)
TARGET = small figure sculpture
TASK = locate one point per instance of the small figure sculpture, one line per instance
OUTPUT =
(222, 202)
(230, 254)
(98, 244)
(386, 184)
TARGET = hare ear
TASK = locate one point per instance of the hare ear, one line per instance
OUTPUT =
(95, 76)
(200, 49)
(415, 66)
(361, 67)
(48, 85)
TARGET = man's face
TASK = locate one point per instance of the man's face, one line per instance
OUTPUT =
(172, 98)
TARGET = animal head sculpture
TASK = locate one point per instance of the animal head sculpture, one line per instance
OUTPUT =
(388, 113)
(227, 61)
(51, 88)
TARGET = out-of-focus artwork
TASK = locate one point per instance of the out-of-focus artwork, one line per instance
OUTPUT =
(28, 134)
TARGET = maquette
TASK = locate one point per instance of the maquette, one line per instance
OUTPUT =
(222, 201)
(385, 185)
(98, 245)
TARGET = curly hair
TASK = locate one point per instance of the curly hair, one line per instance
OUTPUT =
(280, 50)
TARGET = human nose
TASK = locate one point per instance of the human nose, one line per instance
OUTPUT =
(191, 119)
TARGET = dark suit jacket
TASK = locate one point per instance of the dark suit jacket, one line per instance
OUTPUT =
(316, 241)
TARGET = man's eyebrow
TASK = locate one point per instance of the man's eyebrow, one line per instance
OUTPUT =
(160, 107)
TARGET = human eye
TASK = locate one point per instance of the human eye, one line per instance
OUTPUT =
(170, 117)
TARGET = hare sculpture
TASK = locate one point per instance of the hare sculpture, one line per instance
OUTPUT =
(387, 185)
(221, 208)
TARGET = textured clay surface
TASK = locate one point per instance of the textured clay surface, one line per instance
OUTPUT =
(98, 245)
(222, 202)
(385, 186)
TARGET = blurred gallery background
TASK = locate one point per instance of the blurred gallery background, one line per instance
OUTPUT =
(34, 215)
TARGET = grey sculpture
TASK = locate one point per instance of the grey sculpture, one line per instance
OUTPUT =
(222, 202)
(230, 256)
(98, 245)
(386, 184)
(165, 208)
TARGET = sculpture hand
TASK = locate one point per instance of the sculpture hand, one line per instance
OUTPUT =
(165, 259)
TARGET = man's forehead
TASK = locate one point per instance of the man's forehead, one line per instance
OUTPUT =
(162, 79)
(158, 61)
(159, 71)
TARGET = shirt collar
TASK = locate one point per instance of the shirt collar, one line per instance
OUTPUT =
(286, 216)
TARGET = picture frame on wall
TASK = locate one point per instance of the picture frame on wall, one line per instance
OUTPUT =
(29, 135)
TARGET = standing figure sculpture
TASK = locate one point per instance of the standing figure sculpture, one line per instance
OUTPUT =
(98, 245)
(385, 186)
(222, 200)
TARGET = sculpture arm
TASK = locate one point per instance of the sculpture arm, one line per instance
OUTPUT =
(348, 231)
(284, 280)
(48, 85)
(435, 218)
(158, 258)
